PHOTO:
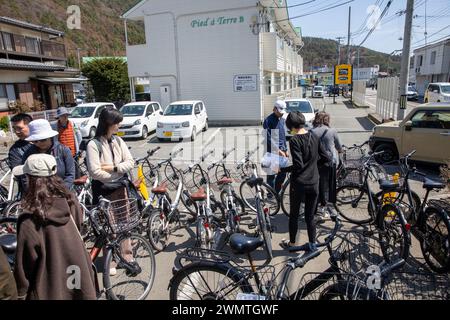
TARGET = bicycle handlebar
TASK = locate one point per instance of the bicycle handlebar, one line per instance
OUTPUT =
(388, 269)
(226, 154)
(202, 159)
(152, 152)
(174, 154)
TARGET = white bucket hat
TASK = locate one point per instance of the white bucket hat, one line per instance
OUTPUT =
(281, 106)
(38, 165)
(40, 130)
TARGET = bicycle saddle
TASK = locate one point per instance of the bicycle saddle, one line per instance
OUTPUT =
(431, 184)
(387, 185)
(253, 181)
(225, 180)
(241, 244)
(8, 242)
(80, 181)
(200, 195)
(160, 189)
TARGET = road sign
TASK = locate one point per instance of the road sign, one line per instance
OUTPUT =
(343, 74)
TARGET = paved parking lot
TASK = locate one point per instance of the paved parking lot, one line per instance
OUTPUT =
(353, 127)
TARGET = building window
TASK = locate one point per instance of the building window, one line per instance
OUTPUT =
(411, 63)
(32, 45)
(420, 63)
(3, 91)
(433, 57)
(7, 41)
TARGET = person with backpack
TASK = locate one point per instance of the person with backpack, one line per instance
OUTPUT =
(52, 262)
(307, 152)
(42, 138)
(108, 161)
(332, 145)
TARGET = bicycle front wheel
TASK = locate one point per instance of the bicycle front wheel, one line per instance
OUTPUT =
(207, 281)
(157, 233)
(393, 236)
(269, 197)
(265, 228)
(353, 204)
(134, 261)
(435, 242)
(285, 200)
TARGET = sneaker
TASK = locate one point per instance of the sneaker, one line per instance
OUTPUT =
(112, 271)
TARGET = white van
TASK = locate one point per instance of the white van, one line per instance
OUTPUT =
(437, 92)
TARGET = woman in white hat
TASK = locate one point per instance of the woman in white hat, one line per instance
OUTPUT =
(42, 138)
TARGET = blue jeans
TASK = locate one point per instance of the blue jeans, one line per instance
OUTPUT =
(276, 181)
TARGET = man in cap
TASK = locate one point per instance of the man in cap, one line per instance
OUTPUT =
(69, 134)
(274, 126)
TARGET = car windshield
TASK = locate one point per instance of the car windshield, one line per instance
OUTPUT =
(179, 110)
(82, 112)
(302, 106)
(411, 88)
(132, 110)
(445, 89)
(318, 88)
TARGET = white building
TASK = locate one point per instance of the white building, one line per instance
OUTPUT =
(232, 54)
(366, 73)
(431, 63)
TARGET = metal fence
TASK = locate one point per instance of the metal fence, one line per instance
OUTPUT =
(359, 93)
(387, 97)
(49, 115)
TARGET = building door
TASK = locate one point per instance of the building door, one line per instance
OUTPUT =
(165, 96)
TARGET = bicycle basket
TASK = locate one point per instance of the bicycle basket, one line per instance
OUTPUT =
(353, 177)
(393, 171)
(353, 158)
(123, 215)
(417, 286)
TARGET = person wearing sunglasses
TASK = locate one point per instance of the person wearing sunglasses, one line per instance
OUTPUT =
(42, 136)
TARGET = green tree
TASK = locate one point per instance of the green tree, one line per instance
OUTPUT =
(109, 79)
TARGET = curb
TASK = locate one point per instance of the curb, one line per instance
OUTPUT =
(375, 118)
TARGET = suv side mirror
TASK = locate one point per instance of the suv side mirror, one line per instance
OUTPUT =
(316, 110)
(408, 126)
(197, 112)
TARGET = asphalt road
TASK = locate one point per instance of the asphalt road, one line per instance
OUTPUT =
(353, 127)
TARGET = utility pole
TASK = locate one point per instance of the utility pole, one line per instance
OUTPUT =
(339, 49)
(79, 58)
(426, 33)
(404, 74)
(348, 39)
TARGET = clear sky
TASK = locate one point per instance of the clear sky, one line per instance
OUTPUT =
(334, 23)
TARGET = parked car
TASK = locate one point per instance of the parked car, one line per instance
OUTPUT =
(412, 93)
(425, 129)
(85, 116)
(182, 119)
(437, 92)
(139, 118)
(302, 105)
(318, 92)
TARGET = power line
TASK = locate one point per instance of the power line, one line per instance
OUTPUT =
(378, 21)
(432, 34)
(292, 6)
(314, 12)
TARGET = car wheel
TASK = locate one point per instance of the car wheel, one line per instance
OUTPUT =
(161, 139)
(194, 134)
(390, 153)
(144, 132)
(92, 132)
(206, 126)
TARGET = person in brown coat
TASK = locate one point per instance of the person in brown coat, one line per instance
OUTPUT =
(8, 290)
(51, 259)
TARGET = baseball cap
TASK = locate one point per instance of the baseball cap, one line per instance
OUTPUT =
(38, 165)
(281, 106)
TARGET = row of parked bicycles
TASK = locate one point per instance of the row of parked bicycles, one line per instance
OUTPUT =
(215, 198)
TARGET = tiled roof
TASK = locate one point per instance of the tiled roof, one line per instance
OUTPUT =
(27, 25)
(29, 65)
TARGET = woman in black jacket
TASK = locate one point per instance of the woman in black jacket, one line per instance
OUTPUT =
(307, 152)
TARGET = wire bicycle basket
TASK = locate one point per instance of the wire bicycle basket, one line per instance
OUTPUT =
(122, 215)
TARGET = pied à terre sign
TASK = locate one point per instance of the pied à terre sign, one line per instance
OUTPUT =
(216, 21)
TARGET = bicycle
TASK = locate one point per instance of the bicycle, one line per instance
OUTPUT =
(165, 214)
(113, 223)
(386, 216)
(213, 275)
(8, 238)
